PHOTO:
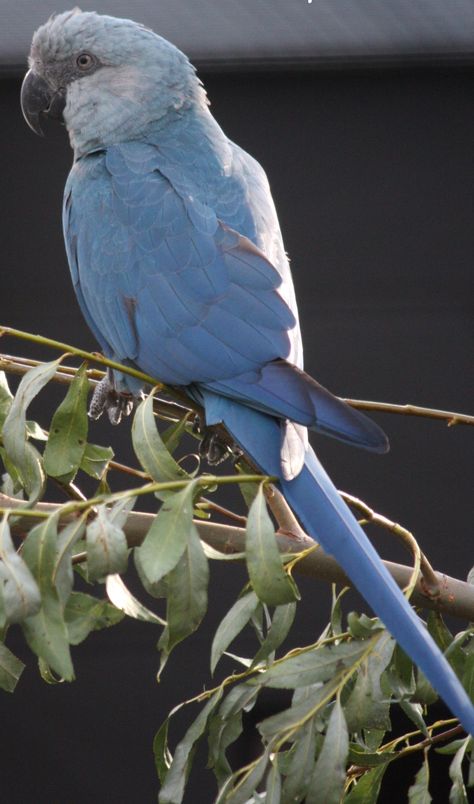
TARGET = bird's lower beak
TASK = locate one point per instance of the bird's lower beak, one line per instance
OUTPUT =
(37, 98)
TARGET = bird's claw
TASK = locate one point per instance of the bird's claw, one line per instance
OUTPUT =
(213, 448)
(106, 397)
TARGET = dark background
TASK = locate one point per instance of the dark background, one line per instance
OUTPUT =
(371, 172)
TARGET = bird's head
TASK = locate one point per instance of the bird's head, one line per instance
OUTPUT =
(108, 78)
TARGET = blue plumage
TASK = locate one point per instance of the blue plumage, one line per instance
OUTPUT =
(179, 267)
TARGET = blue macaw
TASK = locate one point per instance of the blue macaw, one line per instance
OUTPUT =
(179, 268)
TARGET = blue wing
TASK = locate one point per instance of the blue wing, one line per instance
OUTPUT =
(162, 281)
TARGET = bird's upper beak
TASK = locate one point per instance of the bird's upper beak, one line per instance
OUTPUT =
(38, 98)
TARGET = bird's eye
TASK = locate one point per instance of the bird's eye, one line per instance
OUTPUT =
(85, 61)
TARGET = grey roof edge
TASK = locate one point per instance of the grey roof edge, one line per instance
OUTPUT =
(444, 59)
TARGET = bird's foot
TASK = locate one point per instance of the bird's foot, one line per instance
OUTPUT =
(213, 448)
(106, 397)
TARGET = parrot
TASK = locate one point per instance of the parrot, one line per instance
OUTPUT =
(179, 267)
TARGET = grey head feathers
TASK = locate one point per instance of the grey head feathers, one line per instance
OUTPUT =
(117, 76)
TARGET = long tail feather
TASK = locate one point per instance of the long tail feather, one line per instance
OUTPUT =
(327, 519)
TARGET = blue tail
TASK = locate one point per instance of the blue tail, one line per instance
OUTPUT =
(328, 520)
(282, 389)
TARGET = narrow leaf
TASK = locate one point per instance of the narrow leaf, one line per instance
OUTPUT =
(368, 704)
(173, 434)
(186, 594)
(161, 752)
(84, 613)
(418, 792)
(107, 549)
(172, 790)
(312, 666)
(248, 785)
(6, 397)
(226, 726)
(11, 669)
(299, 711)
(265, 567)
(367, 789)
(63, 576)
(301, 763)
(95, 460)
(273, 792)
(68, 430)
(232, 624)
(329, 774)
(281, 623)
(166, 540)
(150, 448)
(23, 455)
(458, 794)
(122, 599)
(19, 592)
(46, 631)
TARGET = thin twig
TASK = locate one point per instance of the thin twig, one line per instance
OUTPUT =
(13, 364)
(448, 416)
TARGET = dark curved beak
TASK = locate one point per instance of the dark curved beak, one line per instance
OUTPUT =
(37, 98)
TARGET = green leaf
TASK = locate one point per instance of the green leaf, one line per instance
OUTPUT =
(368, 704)
(444, 638)
(95, 460)
(172, 790)
(418, 792)
(22, 454)
(150, 448)
(34, 430)
(281, 623)
(6, 397)
(166, 540)
(46, 631)
(84, 613)
(107, 549)
(367, 788)
(19, 592)
(329, 774)
(468, 676)
(362, 627)
(247, 785)
(63, 576)
(248, 490)
(301, 763)
(186, 594)
(368, 759)
(68, 431)
(414, 712)
(174, 433)
(226, 726)
(273, 792)
(265, 567)
(300, 710)
(232, 624)
(312, 666)
(458, 794)
(123, 599)
(161, 752)
(12, 483)
(11, 669)
(336, 610)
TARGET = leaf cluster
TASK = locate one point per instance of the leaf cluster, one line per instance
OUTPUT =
(330, 741)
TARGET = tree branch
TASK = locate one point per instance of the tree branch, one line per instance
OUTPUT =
(455, 598)
(13, 364)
